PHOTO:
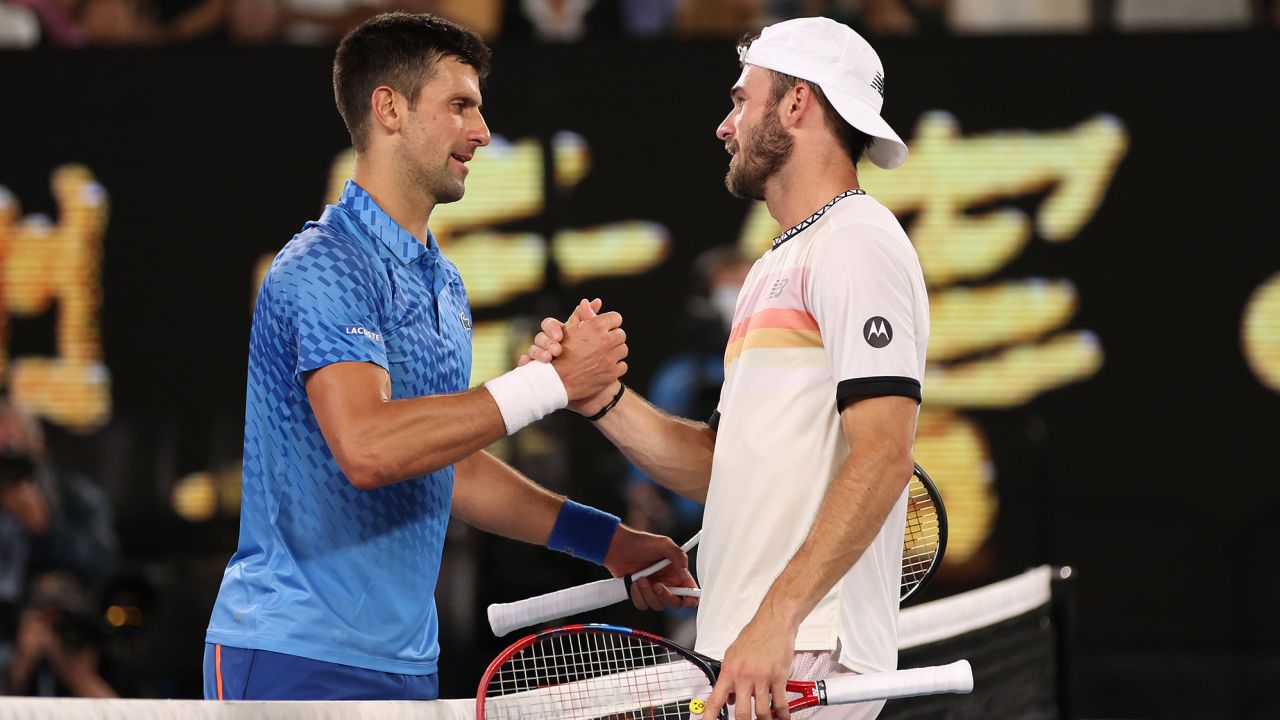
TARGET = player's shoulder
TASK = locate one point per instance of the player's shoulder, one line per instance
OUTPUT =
(863, 224)
(324, 251)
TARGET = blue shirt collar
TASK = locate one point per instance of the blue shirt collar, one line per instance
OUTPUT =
(399, 241)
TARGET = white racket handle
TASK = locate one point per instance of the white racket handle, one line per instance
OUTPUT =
(505, 617)
(956, 677)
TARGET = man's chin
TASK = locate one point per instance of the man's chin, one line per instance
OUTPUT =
(450, 194)
(740, 189)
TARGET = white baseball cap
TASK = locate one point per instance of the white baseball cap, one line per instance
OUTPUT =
(839, 61)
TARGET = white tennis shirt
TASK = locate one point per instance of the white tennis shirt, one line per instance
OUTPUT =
(834, 312)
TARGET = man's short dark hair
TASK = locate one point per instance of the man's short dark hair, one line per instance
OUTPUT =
(854, 141)
(399, 50)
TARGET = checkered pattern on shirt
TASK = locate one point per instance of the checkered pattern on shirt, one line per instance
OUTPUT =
(324, 570)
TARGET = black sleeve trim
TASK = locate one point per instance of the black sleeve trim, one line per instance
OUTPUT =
(850, 390)
(714, 420)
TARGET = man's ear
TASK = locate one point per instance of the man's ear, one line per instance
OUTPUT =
(795, 104)
(389, 108)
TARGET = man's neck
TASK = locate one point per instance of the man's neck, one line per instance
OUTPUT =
(410, 210)
(804, 185)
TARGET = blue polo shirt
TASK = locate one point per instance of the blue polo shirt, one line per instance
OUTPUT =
(323, 570)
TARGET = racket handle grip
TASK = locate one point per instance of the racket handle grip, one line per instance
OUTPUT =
(505, 617)
(956, 677)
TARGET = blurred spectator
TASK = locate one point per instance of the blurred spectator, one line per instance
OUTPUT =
(484, 17)
(55, 527)
(59, 642)
(314, 22)
(255, 22)
(871, 17)
(188, 21)
(720, 18)
(24, 514)
(1081, 16)
(324, 22)
(649, 19)
(1167, 15)
(19, 26)
(59, 26)
(978, 17)
(78, 23)
(113, 23)
(560, 21)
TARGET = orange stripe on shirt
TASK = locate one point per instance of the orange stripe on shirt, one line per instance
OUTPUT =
(772, 338)
(774, 319)
(217, 667)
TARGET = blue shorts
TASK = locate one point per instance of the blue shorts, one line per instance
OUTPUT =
(232, 673)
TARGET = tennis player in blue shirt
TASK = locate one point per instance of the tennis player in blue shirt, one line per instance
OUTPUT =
(361, 437)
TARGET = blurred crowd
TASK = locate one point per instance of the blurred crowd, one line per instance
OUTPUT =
(58, 558)
(149, 23)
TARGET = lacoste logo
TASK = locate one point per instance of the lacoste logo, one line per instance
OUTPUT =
(360, 330)
(877, 332)
(466, 321)
(777, 288)
(877, 82)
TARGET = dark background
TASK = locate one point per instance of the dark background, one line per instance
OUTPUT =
(1151, 478)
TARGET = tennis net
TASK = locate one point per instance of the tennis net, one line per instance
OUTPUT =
(1010, 631)
(1015, 634)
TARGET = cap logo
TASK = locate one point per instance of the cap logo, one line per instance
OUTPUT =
(877, 82)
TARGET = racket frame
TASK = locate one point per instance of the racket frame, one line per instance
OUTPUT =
(710, 667)
(936, 497)
(812, 693)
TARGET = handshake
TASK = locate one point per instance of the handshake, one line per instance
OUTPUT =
(574, 364)
(588, 352)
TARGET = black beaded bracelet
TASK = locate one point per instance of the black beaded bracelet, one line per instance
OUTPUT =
(603, 411)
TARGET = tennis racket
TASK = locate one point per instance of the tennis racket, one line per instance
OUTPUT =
(924, 542)
(601, 671)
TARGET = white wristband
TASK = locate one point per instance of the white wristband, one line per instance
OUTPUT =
(527, 394)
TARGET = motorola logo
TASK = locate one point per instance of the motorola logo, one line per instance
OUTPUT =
(877, 332)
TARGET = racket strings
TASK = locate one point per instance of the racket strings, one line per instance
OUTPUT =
(922, 537)
(594, 674)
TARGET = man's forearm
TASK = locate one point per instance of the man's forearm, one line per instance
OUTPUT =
(852, 513)
(380, 442)
(673, 451)
(492, 496)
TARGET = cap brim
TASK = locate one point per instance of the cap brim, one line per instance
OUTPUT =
(887, 149)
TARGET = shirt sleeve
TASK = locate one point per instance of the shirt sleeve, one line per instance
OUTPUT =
(862, 296)
(336, 303)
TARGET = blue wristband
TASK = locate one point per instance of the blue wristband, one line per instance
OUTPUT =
(583, 531)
